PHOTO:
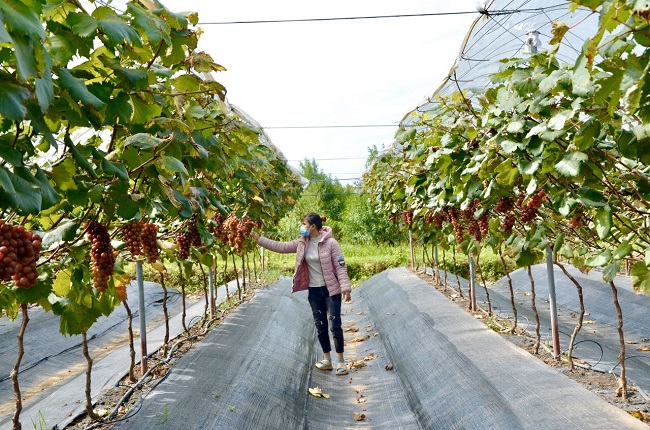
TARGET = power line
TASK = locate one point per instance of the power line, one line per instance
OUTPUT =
(343, 18)
(330, 126)
(334, 159)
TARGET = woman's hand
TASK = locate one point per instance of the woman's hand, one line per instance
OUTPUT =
(345, 295)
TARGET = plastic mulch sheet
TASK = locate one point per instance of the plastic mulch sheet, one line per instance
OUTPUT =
(52, 370)
(597, 344)
(448, 371)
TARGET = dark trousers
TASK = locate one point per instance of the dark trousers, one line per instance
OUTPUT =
(322, 306)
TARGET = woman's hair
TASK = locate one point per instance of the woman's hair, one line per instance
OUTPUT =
(315, 219)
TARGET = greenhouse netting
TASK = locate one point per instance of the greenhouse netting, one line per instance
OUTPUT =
(508, 29)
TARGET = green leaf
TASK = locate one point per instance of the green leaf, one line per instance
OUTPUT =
(78, 156)
(82, 24)
(39, 181)
(62, 284)
(526, 258)
(77, 89)
(63, 175)
(154, 28)
(173, 164)
(559, 241)
(21, 19)
(25, 57)
(117, 30)
(611, 270)
(600, 260)
(516, 126)
(603, 221)
(144, 110)
(20, 194)
(570, 164)
(119, 106)
(9, 154)
(586, 136)
(507, 174)
(66, 231)
(590, 197)
(640, 277)
(45, 90)
(623, 250)
(12, 98)
(143, 141)
(559, 120)
(117, 169)
(582, 85)
(647, 256)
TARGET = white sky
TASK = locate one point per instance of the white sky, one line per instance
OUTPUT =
(352, 72)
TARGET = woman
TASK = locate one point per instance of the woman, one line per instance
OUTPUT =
(320, 268)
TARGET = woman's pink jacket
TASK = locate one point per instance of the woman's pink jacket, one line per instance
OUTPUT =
(332, 262)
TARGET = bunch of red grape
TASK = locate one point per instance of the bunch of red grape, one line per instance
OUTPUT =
(219, 231)
(238, 231)
(133, 237)
(184, 241)
(407, 217)
(533, 205)
(455, 222)
(576, 220)
(475, 230)
(468, 213)
(505, 205)
(194, 232)
(435, 219)
(484, 223)
(149, 242)
(508, 223)
(19, 251)
(101, 255)
(392, 217)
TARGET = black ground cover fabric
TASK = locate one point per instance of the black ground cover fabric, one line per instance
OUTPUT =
(597, 343)
(450, 371)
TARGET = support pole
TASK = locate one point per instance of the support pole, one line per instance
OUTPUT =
(472, 284)
(262, 261)
(211, 284)
(436, 269)
(143, 321)
(552, 302)
(412, 250)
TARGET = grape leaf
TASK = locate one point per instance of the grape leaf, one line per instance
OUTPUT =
(77, 89)
(570, 164)
(603, 221)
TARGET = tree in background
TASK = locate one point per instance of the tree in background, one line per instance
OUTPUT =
(350, 214)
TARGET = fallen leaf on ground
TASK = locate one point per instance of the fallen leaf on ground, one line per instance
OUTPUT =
(359, 417)
(574, 315)
(361, 339)
(589, 322)
(527, 293)
(352, 329)
(317, 392)
(358, 364)
(631, 342)
(645, 339)
(360, 313)
(644, 348)
(389, 366)
(619, 390)
(370, 356)
(362, 399)
(639, 415)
